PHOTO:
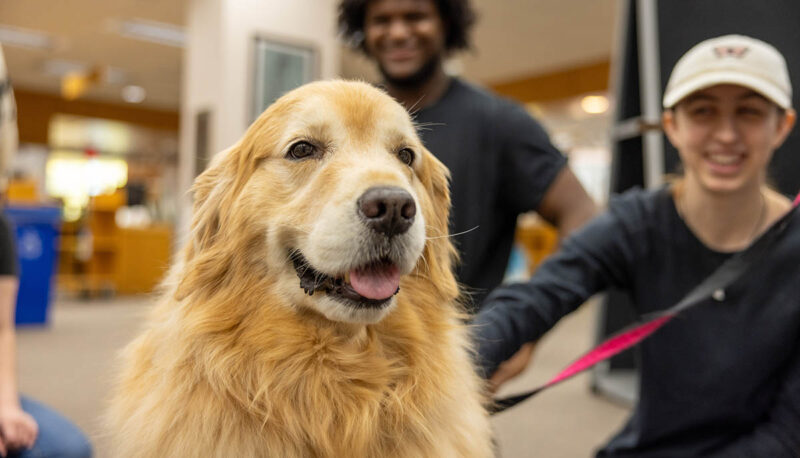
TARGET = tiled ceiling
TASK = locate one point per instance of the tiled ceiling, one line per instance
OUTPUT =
(513, 39)
(83, 32)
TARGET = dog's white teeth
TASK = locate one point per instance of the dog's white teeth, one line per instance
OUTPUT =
(347, 277)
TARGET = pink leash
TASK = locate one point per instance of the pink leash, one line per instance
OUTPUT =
(721, 278)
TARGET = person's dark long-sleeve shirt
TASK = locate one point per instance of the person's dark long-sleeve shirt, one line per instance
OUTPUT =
(722, 379)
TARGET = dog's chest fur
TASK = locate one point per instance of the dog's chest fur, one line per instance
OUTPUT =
(404, 389)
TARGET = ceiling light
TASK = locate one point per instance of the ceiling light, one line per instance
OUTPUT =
(14, 36)
(155, 32)
(61, 67)
(594, 104)
(114, 75)
(133, 94)
(75, 84)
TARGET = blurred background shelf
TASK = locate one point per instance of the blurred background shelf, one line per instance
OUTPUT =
(99, 258)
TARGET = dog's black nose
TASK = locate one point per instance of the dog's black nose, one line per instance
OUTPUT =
(387, 210)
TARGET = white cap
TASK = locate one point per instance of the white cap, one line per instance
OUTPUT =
(731, 59)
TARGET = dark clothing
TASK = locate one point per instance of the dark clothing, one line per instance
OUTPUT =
(722, 379)
(8, 258)
(501, 164)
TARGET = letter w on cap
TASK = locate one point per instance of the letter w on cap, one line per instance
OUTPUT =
(731, 51)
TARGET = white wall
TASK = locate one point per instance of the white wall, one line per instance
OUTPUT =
(309, 22)
(218, 66)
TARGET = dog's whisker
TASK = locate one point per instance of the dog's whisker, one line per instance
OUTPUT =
(426, 126)
(452, 235)
(412, 109)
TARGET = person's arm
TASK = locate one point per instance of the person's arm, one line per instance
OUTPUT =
(596, 256)
(566, 205)
(537, 177)
(778, 435)
(17, 428)
(534, 174)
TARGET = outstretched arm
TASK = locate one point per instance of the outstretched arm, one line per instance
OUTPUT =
(596, 256)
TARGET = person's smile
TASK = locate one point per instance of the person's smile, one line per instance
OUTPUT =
(727, 163)
(401, 54)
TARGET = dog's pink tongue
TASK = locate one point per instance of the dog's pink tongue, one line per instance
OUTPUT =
(376, 282)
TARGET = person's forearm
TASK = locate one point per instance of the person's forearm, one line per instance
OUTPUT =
(584, 210)
(499, 330)
(566, 205)
(515, 314)
(8, 347)
(590, 260)
(8, 370)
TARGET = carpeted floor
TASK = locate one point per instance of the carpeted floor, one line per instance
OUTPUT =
(68, 364)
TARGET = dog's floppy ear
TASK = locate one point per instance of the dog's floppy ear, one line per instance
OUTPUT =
(209, 190)
(216, 223)
(205, 257)
(439, 252)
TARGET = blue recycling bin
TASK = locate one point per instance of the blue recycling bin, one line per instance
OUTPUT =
(36, 230)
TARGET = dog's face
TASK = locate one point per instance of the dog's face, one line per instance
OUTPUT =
(331, 197)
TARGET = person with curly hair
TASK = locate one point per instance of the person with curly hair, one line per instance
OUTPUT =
(501, 161)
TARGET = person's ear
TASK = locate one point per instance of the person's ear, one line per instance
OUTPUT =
(668, 123)
(784, 127)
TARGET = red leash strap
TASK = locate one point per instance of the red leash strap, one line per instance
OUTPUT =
(724, 276)
(610, 347)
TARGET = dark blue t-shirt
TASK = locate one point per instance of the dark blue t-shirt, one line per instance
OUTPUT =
(721, 379)
(501, 164)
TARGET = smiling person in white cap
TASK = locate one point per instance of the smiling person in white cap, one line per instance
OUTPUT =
(723, 379)
(727, 108)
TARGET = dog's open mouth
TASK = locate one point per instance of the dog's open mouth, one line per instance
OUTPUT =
(371, 285)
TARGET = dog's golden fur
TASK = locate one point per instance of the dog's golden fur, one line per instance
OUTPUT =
(237, 361)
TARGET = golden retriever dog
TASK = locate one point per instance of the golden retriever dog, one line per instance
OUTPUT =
(312, 312)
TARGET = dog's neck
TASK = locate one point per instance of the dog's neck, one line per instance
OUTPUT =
(355, 333)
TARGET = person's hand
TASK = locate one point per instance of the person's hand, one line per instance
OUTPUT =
(512, 367)
(17, 429)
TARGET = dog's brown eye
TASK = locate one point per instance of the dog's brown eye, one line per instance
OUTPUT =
(301, 150)
(406, 155)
